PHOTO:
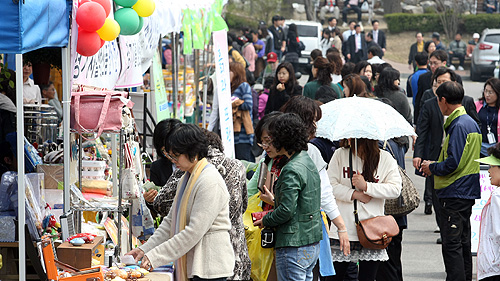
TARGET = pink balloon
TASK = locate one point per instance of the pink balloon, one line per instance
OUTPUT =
(82, 2)
(88, 43)
(106, 4)
(90, 16)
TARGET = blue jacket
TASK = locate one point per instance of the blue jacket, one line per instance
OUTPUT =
(456, 174)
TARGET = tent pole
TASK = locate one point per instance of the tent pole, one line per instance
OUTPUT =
(175, 65)
(66, 130)
(196, 106)
(21, 217)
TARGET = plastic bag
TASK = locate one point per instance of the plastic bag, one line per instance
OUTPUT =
(365, 7)
(261, 258)
(142, 221)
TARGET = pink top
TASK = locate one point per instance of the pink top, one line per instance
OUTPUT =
(250, 55)
(262, 103)
(479, 105)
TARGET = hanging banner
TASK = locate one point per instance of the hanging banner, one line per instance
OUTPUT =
(131, 72)
(224, 91)
(475, 218)
(160, 94)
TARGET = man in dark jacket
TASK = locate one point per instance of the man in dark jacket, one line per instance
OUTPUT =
(429, 129)
(417, 47)
(279, 42)
(456, 181)
(356, 49)
(378, 36)
(438, 58)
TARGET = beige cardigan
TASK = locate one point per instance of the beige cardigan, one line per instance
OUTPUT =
(206, 236)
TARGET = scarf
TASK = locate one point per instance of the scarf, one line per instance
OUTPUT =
(184, 190)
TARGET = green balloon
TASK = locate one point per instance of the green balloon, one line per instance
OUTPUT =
(126, 3)
(128, 20)
(141, 23)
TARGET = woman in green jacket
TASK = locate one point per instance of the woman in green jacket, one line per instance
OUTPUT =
(297, 197)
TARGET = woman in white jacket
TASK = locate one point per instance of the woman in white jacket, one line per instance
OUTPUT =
(195, 234)
(376, 178)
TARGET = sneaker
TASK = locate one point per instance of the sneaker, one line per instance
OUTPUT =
(437, 230)
(452, 67)
(344, 24)
(460, 68)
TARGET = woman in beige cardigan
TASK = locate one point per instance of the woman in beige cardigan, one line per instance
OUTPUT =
(195, 234)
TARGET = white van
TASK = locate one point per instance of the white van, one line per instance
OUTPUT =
(309, 33)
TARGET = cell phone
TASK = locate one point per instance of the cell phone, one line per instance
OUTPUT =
(262, 177)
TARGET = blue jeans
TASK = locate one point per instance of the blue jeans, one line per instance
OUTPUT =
(296, 263)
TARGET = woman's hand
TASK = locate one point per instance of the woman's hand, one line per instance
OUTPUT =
(360, 196)
(150, 195)
(146, 264)
(280, 87)
(258, 223)
(344, 243)
(359, 181)
(136, 253)
(267, 196)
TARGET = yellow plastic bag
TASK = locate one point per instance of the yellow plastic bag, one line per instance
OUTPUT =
(261, 258)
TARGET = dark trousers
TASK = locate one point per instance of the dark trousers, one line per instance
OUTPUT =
(367, 270)
(429, 187)
(456, 233)
(346, 10)
(356, 57)
(461, 58)
(243, 151)
(392, 270)
(492, 278)
(351, 273)
(436, 204)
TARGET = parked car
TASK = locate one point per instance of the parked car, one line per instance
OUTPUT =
(309, 33)
(485, 55)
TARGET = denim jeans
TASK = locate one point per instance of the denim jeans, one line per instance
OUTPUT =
(296, 263)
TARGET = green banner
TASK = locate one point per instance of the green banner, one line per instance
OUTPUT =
(186, 28)
(161, 97)
(198, 38)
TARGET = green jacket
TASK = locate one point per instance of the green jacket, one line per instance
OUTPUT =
(297, 194)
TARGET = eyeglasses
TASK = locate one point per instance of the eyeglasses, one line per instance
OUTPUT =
(489, 93)
(172, 158)
(266, 144)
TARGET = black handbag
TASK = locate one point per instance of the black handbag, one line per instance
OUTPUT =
(267, 238)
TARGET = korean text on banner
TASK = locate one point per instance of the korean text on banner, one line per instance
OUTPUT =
(224, 91)
(475, 218)
(160, 98)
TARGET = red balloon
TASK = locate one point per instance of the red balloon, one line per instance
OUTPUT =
(90, 16)
(88, 43)
(106, 4)
(102, 42)
(82, 1)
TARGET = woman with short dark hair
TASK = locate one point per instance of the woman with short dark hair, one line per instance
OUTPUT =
(322, 71)
(388, 87)
(284, 87)
(488, 109)
(198, 224)
(296, 216)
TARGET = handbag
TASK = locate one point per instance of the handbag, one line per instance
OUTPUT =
(373, 233)
(408, 200)
(130, 188)
(97, 111)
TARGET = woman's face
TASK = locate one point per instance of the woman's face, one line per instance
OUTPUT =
(181, 161)
(283, 75)
(490, 96)
(431, 48)
(347, 92)
(494, 175)
(50, 92)
(367, 71)
(266, 142)
(314, 71)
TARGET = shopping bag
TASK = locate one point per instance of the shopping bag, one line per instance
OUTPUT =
(142, 221)
(262, 258)
(365, 7)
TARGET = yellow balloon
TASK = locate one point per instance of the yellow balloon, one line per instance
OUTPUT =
(110, 30)
(144, 8)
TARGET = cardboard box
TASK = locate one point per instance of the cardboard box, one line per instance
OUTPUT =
(81, 256)
(53, 174)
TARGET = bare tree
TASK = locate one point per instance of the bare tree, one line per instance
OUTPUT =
(266, 9)
(450, 12)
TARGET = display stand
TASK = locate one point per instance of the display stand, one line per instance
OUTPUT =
(117, 211)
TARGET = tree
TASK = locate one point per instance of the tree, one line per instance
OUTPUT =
(266, 9)
(450, 12)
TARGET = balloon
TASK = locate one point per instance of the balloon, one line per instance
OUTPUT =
(141, 23)
(102, 43)
(110, 30)
(106, 4)
(90, 16)
(126, 3)
(88, 43)
(82, 1)
(128, 21)
(144, 8)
